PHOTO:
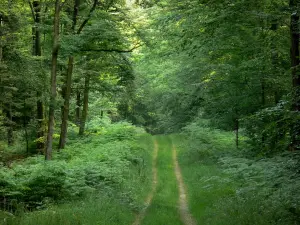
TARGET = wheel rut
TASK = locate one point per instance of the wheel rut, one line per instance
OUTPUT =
(184, 212)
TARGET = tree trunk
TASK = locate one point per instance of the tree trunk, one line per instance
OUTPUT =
(295, 57)
(237, 133)
(65, 113)
(37, 51)
(55, 49)
(78, 104)
(294, 30)
(263, 92)
(263, 104)
(1, 24)
(85, 104)
(10, 137)
(68, 83)
(25, 126)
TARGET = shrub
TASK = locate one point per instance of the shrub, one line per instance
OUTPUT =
(87, 165)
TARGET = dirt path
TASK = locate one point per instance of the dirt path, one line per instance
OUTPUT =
(149, 198)
(185, 214)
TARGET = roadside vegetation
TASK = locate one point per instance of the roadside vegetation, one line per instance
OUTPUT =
(103, 176)
(227, 186)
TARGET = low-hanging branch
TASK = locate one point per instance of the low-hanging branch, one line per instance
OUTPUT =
(113, 49)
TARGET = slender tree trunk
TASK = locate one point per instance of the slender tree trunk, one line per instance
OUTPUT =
(295, 55)
(263, 92)
(10, 137)
(68, 83)
(65, 113)
(237, 133)
(85, 104)
(263, 103)
(55, 49)
(294, 29)
(1, 24)
(25, 126)
(37, 51)
(77, 111)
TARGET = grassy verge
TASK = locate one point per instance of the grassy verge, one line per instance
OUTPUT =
(225, 187)
(206, 184)
(97, 210)
(163, 210)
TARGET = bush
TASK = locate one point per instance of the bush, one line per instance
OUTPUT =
(269, 130)
(207, 143)
(90, 164)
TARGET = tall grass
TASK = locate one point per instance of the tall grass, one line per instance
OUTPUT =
(97, 210)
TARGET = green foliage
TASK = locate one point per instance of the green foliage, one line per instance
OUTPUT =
(203, 145)
(269, 129)
(100, 209)
(194, 67)
(95, 163)
(226, 187)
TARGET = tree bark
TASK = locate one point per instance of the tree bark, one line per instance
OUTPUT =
(10, 137)
(70, 73)
(294, 30)
(68, 83)
(1, 24)
(25, 126)
(295, 59)
(263, 91)
(77, 111)
(65, 113)
(37, 51)
(237, 133)
(55, 49)
(85, 104)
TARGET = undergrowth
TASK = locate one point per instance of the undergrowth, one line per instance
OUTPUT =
(227, 187)
(107, 164)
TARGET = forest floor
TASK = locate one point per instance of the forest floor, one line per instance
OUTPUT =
(167, 202)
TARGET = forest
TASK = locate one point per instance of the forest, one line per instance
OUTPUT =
(149, 112)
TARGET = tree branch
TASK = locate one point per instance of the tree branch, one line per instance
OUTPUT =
(113, 50)
(32, 10)
(88, 17)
